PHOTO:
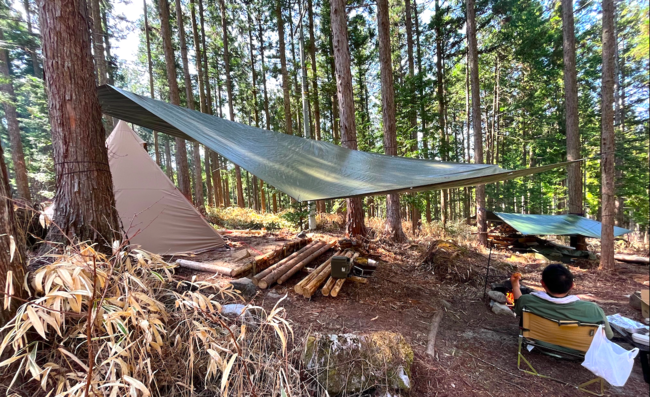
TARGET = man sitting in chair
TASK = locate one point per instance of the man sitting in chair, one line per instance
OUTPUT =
(556, 303)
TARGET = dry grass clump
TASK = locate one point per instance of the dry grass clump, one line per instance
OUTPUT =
(246, 218)
(120, 325)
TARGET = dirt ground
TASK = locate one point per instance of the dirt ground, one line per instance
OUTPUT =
(476, 350)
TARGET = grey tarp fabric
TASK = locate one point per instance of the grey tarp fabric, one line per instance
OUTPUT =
(154, 214)
(304, 169)
(556, 225)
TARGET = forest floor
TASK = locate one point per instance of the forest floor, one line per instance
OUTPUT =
(476, 350)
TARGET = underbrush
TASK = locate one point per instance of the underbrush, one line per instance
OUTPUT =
(247, 218)
(120, 325)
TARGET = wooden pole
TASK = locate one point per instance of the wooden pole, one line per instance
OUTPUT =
(298, 288)
(276, 273)
(305, 261)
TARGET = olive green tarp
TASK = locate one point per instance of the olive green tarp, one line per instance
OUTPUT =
(304, 169)
(556, 225)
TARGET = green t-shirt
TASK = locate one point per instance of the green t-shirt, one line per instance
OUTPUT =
(585, 312)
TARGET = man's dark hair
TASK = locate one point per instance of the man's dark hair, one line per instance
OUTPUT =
(557, 278)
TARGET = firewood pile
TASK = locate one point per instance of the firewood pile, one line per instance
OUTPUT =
(253, 264)
(292, 264)
(321, 276)
(505, 236)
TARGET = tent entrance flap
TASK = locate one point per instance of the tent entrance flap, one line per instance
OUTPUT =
(304, 169)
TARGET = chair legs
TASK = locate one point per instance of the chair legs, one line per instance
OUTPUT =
(533, 371)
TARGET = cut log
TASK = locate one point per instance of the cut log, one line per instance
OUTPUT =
(337, 287)
(205, 267)
(433, 331)
(295, 269)
(262, 262)
(328, 286)
(310, 288)
(286, 265)
(259, 276)
(299, 288)
(358, 279)
(632, 258)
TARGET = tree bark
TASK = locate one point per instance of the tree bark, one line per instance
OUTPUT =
(393, 218)
(288, 128)
(260, 37)
(354, 224)
(38, 72)
(98, 42)
(189, 97)
(231, 104)
(182, 167)
(199, 58)
(206, 69)
(169, 170)
(607, 138)
(476, 120)
(574, 174)
(17, 153)
(151, 85)
(216, 180)
(85, 204)
(314, 74)
(415, 213)
(12, 254)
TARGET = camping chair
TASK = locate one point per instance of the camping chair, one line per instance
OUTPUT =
(572, 335)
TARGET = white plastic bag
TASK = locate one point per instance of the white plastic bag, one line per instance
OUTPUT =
(608, 360)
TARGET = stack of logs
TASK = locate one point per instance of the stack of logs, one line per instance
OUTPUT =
(287, 267)
(256, 264)
(322, 274)
(504, 236)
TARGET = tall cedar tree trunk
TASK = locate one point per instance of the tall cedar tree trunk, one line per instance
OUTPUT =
(476, 119)
(354, 225)
(412, 114)
(203, 106)
(468, 191)
(314, 72)
(17, 153)
(13, 262)
(574, 174)
(444, 149)
(231, 103)
(85, 204)
(256, 113)
(393, 217)
(189, 97)
(288, 128)
(156, 145)
(182, 167)
(421, 100)
(98, 42)
(320, 205)
(619, 122)
(34, 56)
(168, 161)
(267, 115)
(607, 139)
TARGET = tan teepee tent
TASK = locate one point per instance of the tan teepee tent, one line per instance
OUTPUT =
(154, 214)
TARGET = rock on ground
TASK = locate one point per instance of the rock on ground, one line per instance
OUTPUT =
(497, 296)
(353, 363)
(245, 286)
(498, 308)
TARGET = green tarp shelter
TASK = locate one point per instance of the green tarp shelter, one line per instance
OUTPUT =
(556, 225)
(304, 169)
